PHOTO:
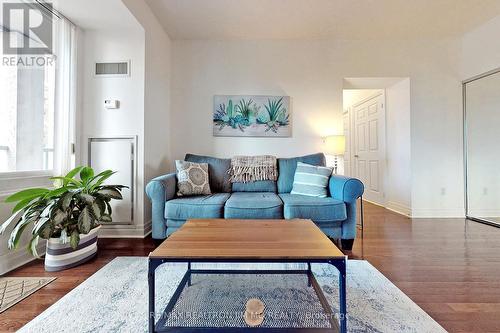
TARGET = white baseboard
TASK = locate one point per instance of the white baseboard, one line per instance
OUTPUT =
(484, 212)
(125, 231)
(398, 208)
(438, 213)
(421, 213)
(12, 260)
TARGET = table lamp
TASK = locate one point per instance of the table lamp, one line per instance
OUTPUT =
(334, 145)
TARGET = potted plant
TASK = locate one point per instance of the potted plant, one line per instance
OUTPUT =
(67, 216)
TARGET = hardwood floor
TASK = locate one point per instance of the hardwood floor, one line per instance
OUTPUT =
(449, 267)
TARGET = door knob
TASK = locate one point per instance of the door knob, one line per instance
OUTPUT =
(356, 155)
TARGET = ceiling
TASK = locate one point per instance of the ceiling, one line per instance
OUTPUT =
(341, 19)
(97, 14)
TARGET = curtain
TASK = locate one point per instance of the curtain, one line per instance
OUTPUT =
(65, 49)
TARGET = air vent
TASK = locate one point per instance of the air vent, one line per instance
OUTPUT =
(107, 69)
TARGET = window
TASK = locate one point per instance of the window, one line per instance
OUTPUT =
(27, 118)
(37, 92)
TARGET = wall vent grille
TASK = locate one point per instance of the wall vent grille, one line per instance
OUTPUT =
(117, 68)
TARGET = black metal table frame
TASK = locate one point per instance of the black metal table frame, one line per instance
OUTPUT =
(339, 263)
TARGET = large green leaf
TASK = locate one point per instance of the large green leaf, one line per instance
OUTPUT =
(102, 206)
(85, 221)
(22, 204)
(32, 246)
(74, 172)
(56, 193)
(87, 198)
(48, 208)
(6, 224)
(26, 194)
(110, 210)
(101, 178)
(46, 231)
(106, 218)
(95, 210)
(65, 200)
(86, 173)
(40, 224)
(74, 239)
(16, 234)
(110, 193)
(75, 182)
(58, 216)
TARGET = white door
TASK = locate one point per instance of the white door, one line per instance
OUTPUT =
(369, 147)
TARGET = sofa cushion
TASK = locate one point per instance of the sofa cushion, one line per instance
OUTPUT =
(217, 171)
(253, 205)
(311, 180)
(204, 206)
(314, 208)
(192, 178)
(287, 166)
(258, 186)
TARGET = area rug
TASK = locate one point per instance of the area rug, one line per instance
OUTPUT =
(115, 299)
(15, 289)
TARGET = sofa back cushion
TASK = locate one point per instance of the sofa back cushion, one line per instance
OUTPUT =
(217, 171)
(258, 186)
(287, 167)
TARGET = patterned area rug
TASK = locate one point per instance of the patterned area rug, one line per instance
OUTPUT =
(15, 289)
(115, 299)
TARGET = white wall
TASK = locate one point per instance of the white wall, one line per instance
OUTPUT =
(398, 163)
(481, 49)
(157, 129)
(312, 73)
(354, 96)
(128, 120)
(298, 69)
(144, 97)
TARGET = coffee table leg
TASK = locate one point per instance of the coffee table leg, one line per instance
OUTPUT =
(340, 264)
(152, 265)
(343, 300)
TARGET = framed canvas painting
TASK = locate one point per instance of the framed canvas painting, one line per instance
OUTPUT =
(257, 116)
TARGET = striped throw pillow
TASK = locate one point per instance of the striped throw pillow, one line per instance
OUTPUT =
(311, 180)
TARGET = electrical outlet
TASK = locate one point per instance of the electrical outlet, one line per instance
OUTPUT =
(443, 190)
(485, 191)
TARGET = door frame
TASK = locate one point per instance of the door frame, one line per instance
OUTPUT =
(465, 147)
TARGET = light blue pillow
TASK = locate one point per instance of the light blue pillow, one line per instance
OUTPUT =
(311, 180)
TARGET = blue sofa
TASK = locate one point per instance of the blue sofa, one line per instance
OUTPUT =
(335, 215)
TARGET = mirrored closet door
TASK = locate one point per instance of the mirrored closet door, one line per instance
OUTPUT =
(482, 147)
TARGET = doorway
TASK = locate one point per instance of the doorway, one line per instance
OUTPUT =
(365, 131)
(376, 117)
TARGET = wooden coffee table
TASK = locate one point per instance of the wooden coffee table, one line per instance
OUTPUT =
(247, 241)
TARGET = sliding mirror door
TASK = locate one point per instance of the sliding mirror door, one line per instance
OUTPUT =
(482, 147)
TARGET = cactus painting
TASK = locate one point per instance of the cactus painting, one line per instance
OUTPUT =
(239, 115)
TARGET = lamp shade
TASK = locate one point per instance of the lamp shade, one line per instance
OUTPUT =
(335, 145)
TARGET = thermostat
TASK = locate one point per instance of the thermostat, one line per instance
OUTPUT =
(111, 104)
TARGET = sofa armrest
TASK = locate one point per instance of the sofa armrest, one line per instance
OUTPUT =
(345, 188)
(160, 190)
(162, 187)
(348, 190)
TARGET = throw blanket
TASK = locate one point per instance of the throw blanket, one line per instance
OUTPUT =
(246, 169)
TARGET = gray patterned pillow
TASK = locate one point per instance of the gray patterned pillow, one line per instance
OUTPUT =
(192, 178)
